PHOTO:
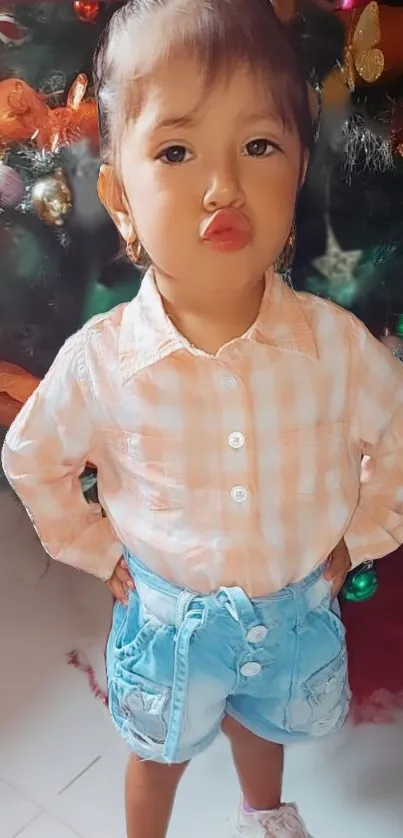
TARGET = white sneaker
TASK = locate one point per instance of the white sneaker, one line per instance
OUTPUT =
(285, 822)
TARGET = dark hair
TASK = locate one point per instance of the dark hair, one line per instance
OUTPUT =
(220, 34)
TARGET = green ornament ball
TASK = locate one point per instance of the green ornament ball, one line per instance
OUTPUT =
(361, 584)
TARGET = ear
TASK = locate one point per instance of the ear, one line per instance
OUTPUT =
(111, 195)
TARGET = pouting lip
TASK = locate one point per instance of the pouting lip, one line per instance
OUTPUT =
(225, 221)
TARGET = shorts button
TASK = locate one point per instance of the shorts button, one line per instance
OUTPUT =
(256, 634)
(250, 669)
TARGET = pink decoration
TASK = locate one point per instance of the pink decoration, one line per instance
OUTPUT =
(80, 662)
(348, 5)
(11, 187)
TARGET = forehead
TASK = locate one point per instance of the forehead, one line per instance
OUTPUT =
(180, 90)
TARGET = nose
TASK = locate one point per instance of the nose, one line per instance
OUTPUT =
(224, 189)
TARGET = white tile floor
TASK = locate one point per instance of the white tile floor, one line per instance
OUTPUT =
(62, 765)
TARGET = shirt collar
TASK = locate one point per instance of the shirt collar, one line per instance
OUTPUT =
(147, 335)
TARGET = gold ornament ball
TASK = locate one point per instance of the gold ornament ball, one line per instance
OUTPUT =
(51, 198)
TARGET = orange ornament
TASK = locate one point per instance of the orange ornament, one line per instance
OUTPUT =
(25, 115)
(16, 386)
(77, 119)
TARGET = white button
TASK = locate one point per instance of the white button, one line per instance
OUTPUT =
(236, 439)
(249, 670)
(230, 382)
(239, 494)
(256, 634)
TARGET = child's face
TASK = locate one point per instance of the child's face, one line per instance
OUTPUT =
(190, 154)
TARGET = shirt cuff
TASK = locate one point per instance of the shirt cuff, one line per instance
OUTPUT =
(97, 551)
(367, 540)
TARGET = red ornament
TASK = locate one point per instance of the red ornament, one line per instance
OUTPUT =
(87, 10)
(11, 33)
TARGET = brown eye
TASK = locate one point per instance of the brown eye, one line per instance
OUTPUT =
(174, 154)
(259, 148)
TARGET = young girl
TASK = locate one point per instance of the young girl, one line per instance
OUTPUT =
(227, 416)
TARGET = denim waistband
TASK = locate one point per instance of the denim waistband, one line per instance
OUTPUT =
(168, 601)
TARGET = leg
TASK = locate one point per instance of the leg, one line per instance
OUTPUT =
(259, 766)
(150, 794)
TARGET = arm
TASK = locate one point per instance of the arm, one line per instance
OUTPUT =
(377, 409)
(44, 453)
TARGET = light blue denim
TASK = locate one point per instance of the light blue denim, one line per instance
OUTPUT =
(178, 662)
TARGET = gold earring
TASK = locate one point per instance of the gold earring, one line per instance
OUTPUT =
(286, 258)
(134, 250)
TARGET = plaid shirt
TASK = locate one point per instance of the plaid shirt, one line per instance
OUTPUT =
(238, 469)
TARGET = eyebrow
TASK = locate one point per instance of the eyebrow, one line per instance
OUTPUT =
(189, 120)
(260, 116)
(184, 121)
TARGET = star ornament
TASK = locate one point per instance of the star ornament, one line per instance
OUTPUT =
(337, 265)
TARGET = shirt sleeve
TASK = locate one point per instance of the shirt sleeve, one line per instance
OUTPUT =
(44, 454)
(376, 528)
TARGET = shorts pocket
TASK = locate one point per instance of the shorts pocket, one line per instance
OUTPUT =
(319, 705)
(140, 666)
(131, 632)
(327, 694)
(141, 711)
(321, 693)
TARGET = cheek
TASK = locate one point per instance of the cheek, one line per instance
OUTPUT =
(276, 185)
(161, 215)
(275, 198)
(153, 200)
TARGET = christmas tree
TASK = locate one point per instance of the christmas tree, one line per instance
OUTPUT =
(60, 253)
(350, 215)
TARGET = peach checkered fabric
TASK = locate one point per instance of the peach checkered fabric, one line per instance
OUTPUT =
(238, 469)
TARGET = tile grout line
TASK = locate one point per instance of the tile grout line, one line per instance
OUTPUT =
(23, 828)
(41, 811)
(78, 776)
(27, 797)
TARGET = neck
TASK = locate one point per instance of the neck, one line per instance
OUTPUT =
(209, 321)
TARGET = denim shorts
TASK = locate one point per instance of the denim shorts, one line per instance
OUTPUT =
(178, 662)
